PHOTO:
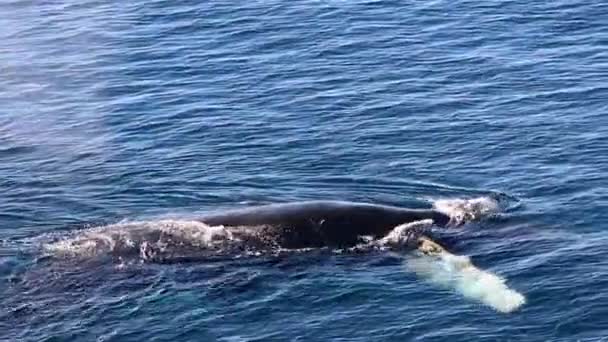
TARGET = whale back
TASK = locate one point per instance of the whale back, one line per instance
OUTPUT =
(322, 223)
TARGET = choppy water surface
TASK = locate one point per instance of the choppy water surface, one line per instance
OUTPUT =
(118, 113)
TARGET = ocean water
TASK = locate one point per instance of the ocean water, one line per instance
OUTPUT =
(117, 113)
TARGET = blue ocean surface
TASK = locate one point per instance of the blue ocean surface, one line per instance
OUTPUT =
(119, 112)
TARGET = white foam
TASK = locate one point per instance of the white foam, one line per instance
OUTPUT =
(139, 237)
(403, 233)
(461, 210)
(458, 273)
(195, 233)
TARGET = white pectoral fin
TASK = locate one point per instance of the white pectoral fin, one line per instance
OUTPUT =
(456, 272)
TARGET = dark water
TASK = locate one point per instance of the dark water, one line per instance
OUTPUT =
(142, 110)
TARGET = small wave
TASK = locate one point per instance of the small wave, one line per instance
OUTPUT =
(463, 210)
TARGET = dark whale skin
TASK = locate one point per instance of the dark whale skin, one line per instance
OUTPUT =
(322, 223)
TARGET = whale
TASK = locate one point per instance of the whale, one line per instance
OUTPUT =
(280, 229)
(322, 223)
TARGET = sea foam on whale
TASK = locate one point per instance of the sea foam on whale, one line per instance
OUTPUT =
(463, 210)
(141, 239)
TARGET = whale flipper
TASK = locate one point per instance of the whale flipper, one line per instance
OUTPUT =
(460, 274)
